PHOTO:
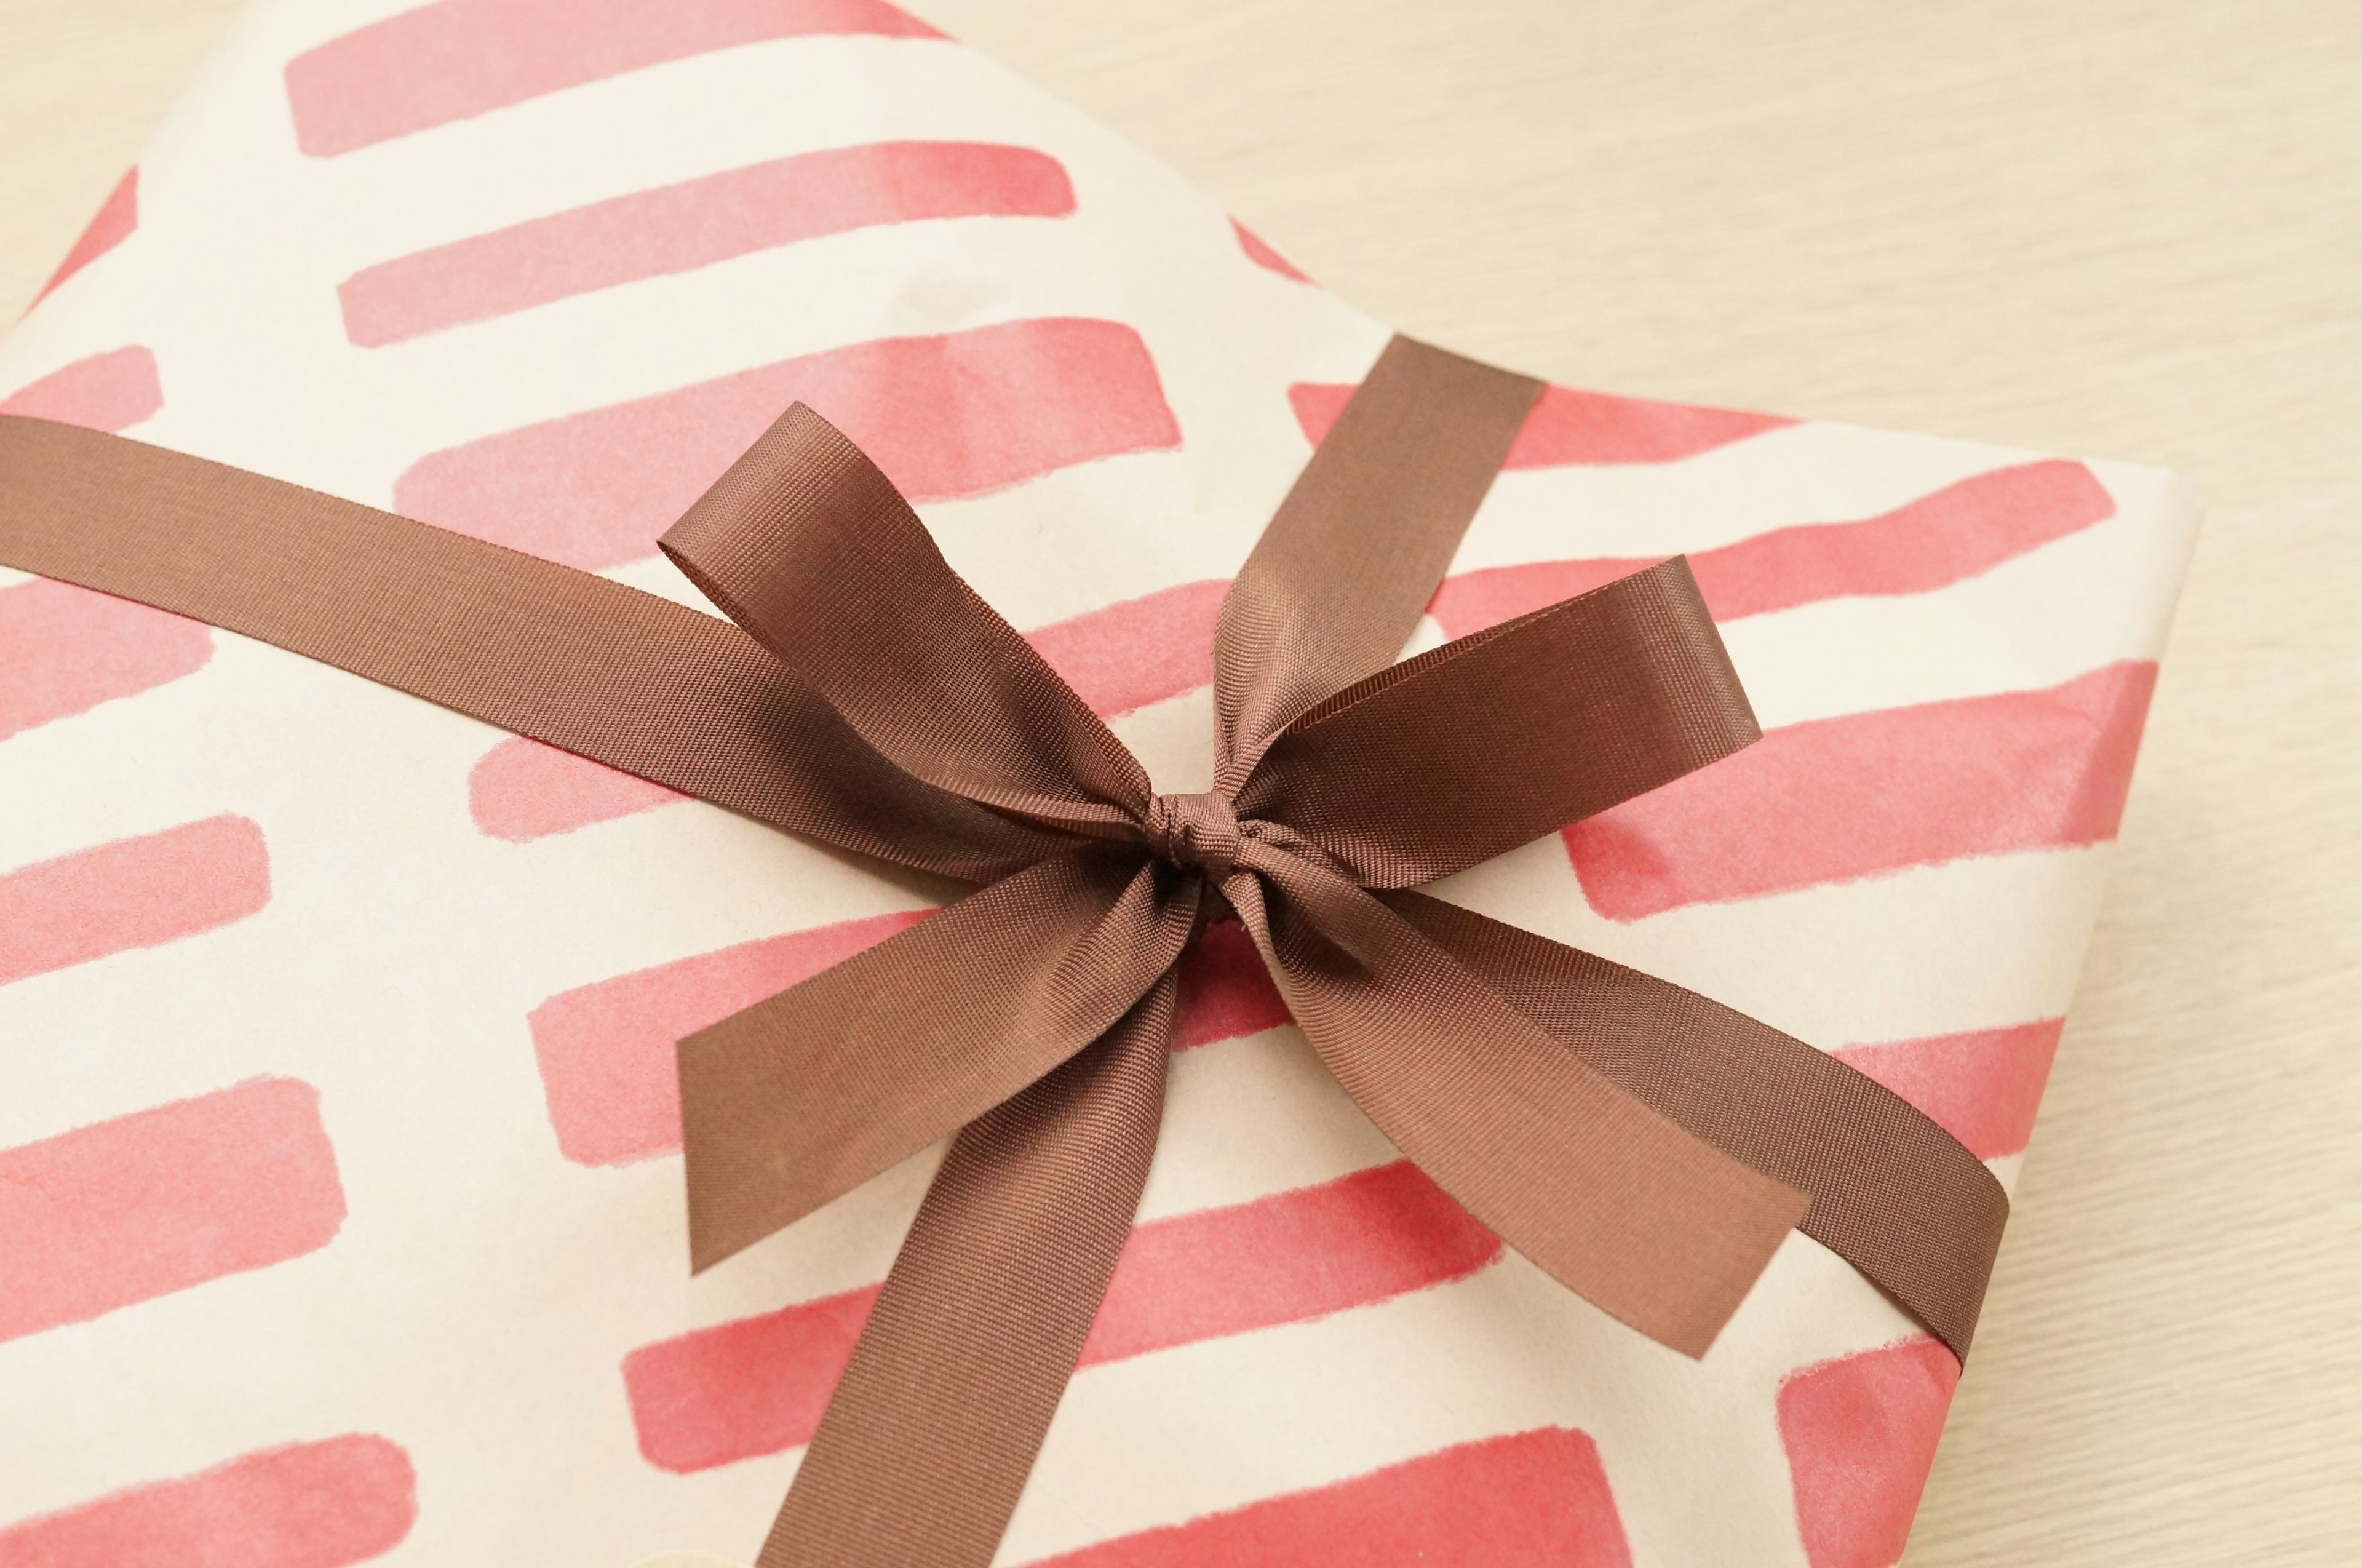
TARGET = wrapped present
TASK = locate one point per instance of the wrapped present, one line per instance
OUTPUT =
(343, 1142)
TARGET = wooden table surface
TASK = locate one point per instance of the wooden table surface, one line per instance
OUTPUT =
(2128, 229)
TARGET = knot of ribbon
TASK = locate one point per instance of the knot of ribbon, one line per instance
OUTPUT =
(1644, 1145)
(1195, 832)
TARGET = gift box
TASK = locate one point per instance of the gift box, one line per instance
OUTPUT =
(343, 1219)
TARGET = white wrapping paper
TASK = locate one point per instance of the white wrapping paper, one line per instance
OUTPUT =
(340, 1211)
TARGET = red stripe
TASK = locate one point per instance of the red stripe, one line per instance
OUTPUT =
(755, 1387)
(1149, 649)
(1282, 1259)
(759, 1385)
(312, 1505)
(1262, 255)
(1535, 1499)
(1225, 990)
(606, 1050)
(134, 892)
(1836, 799)
(1140, 651)
(1941, 539)
(157, 1201)
(674, 228)
(117, 218)
(1473, 600)
(1123, 657)
(64, 650)
(1860, 1434)
(946, 416)
(459, 58)
(1569, 428)
(1982, 1087)
(108, 391)
(522, 789)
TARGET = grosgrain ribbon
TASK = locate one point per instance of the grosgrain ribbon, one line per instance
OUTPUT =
(1646, 1146)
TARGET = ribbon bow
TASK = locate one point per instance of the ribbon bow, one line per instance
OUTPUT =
(1646, 1146)
(1036, 1012)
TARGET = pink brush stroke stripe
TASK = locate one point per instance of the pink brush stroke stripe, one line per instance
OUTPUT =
(64, 650)
(134, 892)
(1861, 1433)
(1984, 1088)
(954, 415)
(312, 1505)
(1262, 255)
(1156, 647)
(1533, 1499)
(675, 229)
(158, 1201)
(606, 1049)
(1119, 658)
(522, 790)
(736, 1390)
(1838, 799)
(459, 58)
(1287, 1258)
(758, 1386)
(1225, 990)
(1140, 651)
(1946, 536)
(1569, 428)
(117, 219)
(108, 391)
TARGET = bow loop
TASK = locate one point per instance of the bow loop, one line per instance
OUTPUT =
(1467, 751)
(810, 549)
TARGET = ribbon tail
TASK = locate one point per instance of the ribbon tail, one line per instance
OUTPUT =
(799, 1099)
(1336, 585)
(929, 1439)
(1657, 1227)
(1893, 1193)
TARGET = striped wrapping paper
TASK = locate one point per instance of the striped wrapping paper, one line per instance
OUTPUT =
(340, 1212)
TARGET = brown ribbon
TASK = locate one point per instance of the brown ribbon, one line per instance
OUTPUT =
(1646, 1146)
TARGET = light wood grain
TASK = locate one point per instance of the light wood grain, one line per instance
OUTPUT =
(2126, 228)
